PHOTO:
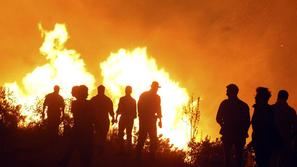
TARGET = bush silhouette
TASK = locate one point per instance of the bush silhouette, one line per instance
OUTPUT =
(9, 112)
(206, 153)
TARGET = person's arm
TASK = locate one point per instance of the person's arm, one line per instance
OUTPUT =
(134, 112)
(292, 128)
(63, 109)
(159, 112)
(246, 119)
(111, 112)
(119, 110)
(254, 126)
(72, 107)
(140, 105)
(43, 108)
(254, 121)
(219, 117)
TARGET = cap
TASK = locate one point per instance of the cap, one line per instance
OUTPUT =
(155, 84)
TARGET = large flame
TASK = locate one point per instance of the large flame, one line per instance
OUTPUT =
(135, 68)
(64, 68)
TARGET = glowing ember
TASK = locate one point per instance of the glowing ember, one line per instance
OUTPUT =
(136, 69)
(64, 68)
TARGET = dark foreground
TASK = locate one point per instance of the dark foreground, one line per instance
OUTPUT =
(32, 149)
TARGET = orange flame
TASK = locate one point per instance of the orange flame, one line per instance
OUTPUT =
(135, 68)
(64, 68)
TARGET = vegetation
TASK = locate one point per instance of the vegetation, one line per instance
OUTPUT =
(192, 115)
(9, 113)
(205, 153)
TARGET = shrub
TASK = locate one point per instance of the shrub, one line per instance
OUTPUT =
(205, 153)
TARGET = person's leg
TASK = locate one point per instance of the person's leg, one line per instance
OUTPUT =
(239, 146)
(227, 152)
(261, 155)
(141, 138)
(129, 128)
(101, 135)
(86, 151)
(121, 133)
(71, 146)
(53, 136)
(153, 138)
(105, 131)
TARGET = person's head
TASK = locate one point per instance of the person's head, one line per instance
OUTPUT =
(56, 89)
(282, 96)
(155, 86)
(74, 91)
(263, 95)
(232, 91)
(83, 92)
(128, 90)
(101, 90)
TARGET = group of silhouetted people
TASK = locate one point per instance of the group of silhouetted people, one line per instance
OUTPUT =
(91, 120)
(274, 129)
(274, 126)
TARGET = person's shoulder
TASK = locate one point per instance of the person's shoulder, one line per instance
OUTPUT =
(292, 110)
(61, 97)
(133, 99)
(94, 98)
(123, 98)
(107, 98)
(143, 94)
(158, 97)
(128, 98)
(225, 102)
(49, 95)
(241, 102)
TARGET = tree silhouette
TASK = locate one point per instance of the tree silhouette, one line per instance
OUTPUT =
(192, 114)
(9, 111)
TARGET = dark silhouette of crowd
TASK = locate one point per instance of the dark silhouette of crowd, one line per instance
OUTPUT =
(92, 121)
(274, 129)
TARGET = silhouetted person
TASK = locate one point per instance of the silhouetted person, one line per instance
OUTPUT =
(286, 126)
(234, 119)
(127, 111)
(149, 110)
(54, 107)
(102, 109)
(82, 132)
(264, 135)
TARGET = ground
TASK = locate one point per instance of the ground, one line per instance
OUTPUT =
(31, 149)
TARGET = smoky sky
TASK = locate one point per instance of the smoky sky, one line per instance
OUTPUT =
(203, 44)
